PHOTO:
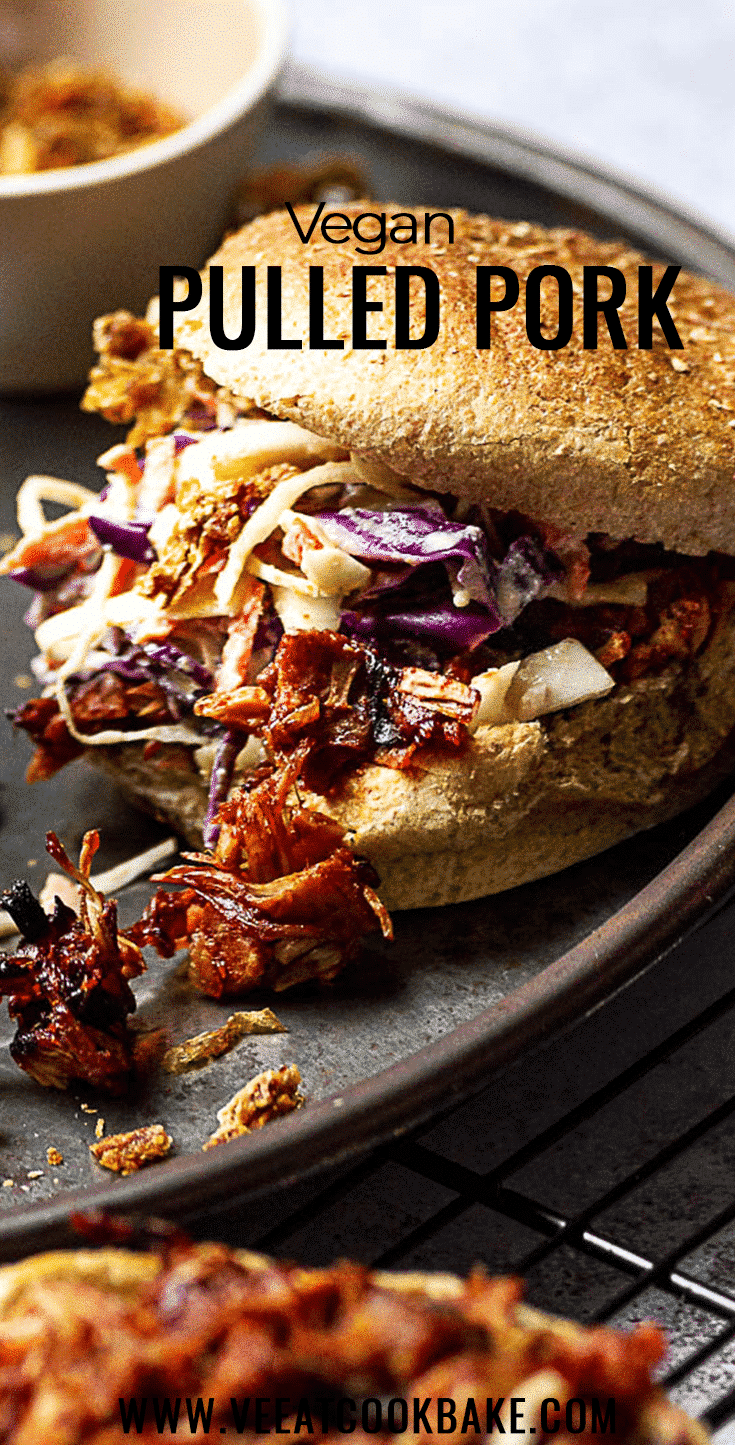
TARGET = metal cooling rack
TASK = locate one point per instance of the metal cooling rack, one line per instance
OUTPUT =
(603, 1170)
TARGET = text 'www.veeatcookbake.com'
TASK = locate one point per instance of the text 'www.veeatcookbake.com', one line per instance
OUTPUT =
(505, 1415)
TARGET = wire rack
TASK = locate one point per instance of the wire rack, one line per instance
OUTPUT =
(603, 1170)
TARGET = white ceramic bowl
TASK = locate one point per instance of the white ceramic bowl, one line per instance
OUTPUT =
(78, 242)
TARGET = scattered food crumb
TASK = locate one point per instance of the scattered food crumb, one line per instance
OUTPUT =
(127, 1152)
(26, 1188)
(23, 680)
(88, 1108)
(54, 1156)
(34, 1174)
(274, 1092)
(8, 1183)
(197, 1051)
(99, 1128)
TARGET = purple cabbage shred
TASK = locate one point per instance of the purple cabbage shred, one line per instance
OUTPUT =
(223, 770)
(452, 629)
(127, 539)
(181, 678)
(525, 571)
(406, 597)
(181, 441)
(415, 535)
(41, 579)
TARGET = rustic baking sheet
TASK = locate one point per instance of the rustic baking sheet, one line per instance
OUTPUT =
(462, 991)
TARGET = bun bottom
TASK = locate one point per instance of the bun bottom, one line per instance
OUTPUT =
(525, 800)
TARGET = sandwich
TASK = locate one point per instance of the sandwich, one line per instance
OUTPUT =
(476, 603)
(104, 1343)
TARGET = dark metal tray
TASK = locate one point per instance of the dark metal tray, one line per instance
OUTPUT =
(464, 990)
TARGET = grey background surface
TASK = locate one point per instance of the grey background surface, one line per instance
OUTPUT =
(645, 86)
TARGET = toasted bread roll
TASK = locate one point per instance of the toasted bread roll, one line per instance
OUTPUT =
(432, 506)
(636, 443)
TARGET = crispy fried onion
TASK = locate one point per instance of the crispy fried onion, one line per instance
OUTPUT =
(135, 382)
(281, 898)
(67, 985)
(204, 1323)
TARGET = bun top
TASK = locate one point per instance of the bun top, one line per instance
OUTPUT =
(630, 442)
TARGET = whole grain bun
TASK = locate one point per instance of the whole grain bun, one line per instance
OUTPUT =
(49, 1298)
(630, 442)
(634, 443)
(525, 800)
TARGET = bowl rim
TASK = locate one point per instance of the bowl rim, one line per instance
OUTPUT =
(274, 26)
